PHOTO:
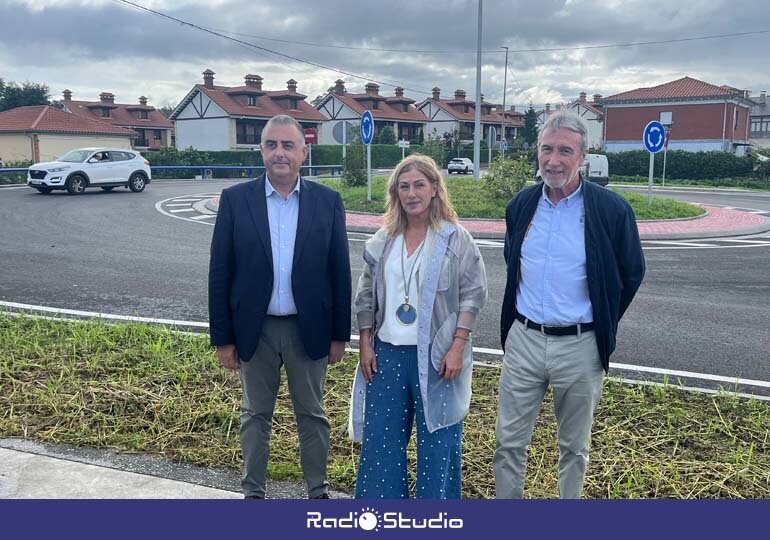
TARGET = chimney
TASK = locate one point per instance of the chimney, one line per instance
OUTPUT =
(582, 97)
(597, 97)
(763, 97)
(399, 91)
(547, 107)
(67, 95)
(513, 108)
(291, 84)
(107, 97)
(208, 78)
(253, 81)
(142, 100)
(460, 94)
(436, 93)
(339, 87)
(372, 89)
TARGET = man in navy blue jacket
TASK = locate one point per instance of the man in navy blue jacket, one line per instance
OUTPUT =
(280, 296)
(575, 263)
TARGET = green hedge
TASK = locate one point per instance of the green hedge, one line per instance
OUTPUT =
(681, 164)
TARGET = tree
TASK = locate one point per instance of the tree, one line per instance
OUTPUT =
(435, 148)
(386, 136)
(166, 110)
(13, 95)
(530, 126)
(355, 163)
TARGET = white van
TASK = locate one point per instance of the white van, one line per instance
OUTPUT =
(596, 169)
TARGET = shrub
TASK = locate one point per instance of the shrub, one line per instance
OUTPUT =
(681, 164)
(506, 176)
(386, 136)
(355, 164)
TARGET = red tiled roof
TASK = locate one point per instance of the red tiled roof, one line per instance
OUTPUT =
(512, 118)
(46, 119)
(121, 114)
(267, 103)
(685, 87)
(386, 109)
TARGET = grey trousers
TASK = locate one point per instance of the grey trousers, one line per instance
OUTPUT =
(532, 361)
(280, 345)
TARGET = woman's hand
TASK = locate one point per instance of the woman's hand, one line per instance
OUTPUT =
(452, 364)
(367, 358)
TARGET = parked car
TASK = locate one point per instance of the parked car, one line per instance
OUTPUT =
(106, 168)
(596, 169)
(460, 164)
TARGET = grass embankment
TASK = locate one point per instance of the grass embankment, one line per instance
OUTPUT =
(471, 201)
(137, 388)
(752, 183)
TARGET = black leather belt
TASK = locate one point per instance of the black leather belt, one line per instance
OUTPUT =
(555, 330)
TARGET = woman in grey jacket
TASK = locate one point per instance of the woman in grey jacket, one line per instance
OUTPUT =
(422, 287)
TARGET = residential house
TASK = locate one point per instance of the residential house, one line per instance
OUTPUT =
(153, 131)
(759, 135)
(344, 109)
(593, 113)
(212, 117)
(701, 116)
(42, 133)
(447, 116)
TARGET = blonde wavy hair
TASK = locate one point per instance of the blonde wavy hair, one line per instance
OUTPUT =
(440, 206)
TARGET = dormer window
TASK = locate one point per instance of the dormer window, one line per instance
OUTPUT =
(466, 108)
(404, 107)
(252, 101)
(105, 112)
(144, 115)
(293, 104)
(375, 104)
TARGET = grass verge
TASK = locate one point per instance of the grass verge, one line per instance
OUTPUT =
(137, 388)
(470, 201)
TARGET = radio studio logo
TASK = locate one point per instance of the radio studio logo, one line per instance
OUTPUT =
(370, 519)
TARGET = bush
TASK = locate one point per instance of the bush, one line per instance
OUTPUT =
(354, 173)
(506, 177)
(386, 136)
(681, 164)
(434, 148)
(15, 178)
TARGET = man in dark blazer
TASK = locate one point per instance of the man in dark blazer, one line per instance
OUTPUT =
(280, 296)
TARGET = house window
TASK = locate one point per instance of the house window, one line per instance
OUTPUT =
(405, 107)
(375, 104)
(105, 112)
(157, 135)
(293, 104)
(144, 115)
(140, 138)
(252, 101)
(248, 131)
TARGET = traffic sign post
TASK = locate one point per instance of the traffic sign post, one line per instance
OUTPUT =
(653, 139)
(403, 145)
(367, 134)
(311, 136)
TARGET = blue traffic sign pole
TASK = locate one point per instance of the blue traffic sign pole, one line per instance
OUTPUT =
(653, 139)
(367, 134)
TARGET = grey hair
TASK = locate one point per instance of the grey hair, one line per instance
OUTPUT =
(566, 120)
(284, 120)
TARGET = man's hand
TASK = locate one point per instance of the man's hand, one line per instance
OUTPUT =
(228, 357)
(336, 351)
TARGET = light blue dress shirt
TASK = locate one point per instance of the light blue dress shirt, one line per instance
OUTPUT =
(553, 284)
(282, 216)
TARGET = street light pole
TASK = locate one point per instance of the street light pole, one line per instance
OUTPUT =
(477, 124)
(505, 84)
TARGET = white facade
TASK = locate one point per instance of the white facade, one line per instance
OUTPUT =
(440, 121)
(203, 125)
(595, 124)
(338, 113)
(17, 147)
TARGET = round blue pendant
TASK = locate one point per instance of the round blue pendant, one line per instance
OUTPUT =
(406, 314)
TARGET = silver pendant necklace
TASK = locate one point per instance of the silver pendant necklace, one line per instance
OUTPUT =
(405, 313)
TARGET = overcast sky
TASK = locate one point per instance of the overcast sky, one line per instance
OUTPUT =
(90, 46)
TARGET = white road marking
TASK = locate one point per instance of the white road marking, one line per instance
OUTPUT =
(182, 210)
(174, 205)
(677, 243)
(203, 216)
(186, 200)
(482, 350)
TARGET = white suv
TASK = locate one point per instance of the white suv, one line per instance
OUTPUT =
(460, 165)
(106, 168)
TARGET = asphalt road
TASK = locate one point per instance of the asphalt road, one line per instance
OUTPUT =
(699, 310)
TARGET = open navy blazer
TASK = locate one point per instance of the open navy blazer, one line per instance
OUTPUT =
(241, 269)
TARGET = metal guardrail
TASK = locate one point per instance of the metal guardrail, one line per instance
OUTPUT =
(205, 170)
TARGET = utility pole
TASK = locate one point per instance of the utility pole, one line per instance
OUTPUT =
(505, 84)
(477, 124)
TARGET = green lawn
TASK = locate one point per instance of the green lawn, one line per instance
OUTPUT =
(470, 200)
(137, 388)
